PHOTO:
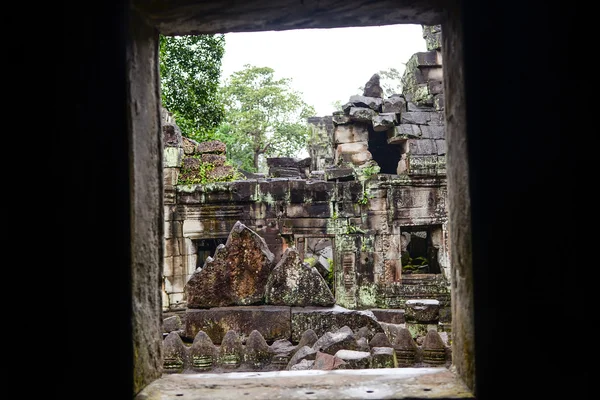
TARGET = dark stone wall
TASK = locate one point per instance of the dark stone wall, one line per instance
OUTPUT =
(535, 183)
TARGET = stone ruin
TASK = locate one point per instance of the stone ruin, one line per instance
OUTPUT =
(350, 243)
(244, 312)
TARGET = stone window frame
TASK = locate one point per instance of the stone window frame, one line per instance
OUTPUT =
(143, 81)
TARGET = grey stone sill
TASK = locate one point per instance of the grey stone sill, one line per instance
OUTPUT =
(382, 383)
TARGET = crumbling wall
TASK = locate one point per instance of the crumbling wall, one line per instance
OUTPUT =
(387, 179)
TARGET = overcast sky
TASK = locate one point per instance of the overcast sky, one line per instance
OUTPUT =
(326, 65)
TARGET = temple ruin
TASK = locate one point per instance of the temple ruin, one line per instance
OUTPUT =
(361, 225)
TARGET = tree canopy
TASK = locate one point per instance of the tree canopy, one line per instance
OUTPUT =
(264, 116)
(190, 68)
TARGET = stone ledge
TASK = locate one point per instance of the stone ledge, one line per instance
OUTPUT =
(381, 383)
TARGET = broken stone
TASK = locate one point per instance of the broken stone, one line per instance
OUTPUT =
(331, 342)
(174, 354)
(380, 340)
(384, 122)
(295, 283)
(374, 103)
(346, 329)
(303, 353)
(203, 352)
(362, 114)
(309, 338)
(282, 350)
(189, 146)
(230, 352)
(393, 104)
(383, 357)
(237, 275)
(327, 362)
(303, 365)
(257, 353)
(346, 108)
(434, 349)
(171, 324)
(373, 87)
(330, 319)
(212, 146)
(335, 173)
(171, 135)
(404, 132)
(339, 118)
(354, 359)
(362, 344)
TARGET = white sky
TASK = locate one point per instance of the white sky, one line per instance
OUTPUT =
(325, 65)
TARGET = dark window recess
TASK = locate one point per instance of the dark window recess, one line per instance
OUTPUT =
(206, 248)
(419, 255)
(385, 155)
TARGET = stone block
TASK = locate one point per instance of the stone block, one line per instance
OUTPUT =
(433, 131)
(422, 147)
(440, 145)
(308, 210)
(274, 189)
(330, 319)
(384, 122)
(394, 104)
(272, 322)
(390, 316)
(189, 146)
(339, 118)
(436, 87)
(171, 135)
(355, 147)
(335, 173)
(415, 117)
(425, 311)
(361, 114)
(212, 146)
(172, 157)
(215, 159)
(361, 157)
(350, 133)
(374, 103)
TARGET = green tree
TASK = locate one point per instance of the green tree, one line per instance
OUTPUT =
(264, 117)
(190, 68)
(390, 81)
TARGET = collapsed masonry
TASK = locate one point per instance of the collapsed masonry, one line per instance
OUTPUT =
(367, 210)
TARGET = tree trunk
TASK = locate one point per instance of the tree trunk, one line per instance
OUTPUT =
(256, 154)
